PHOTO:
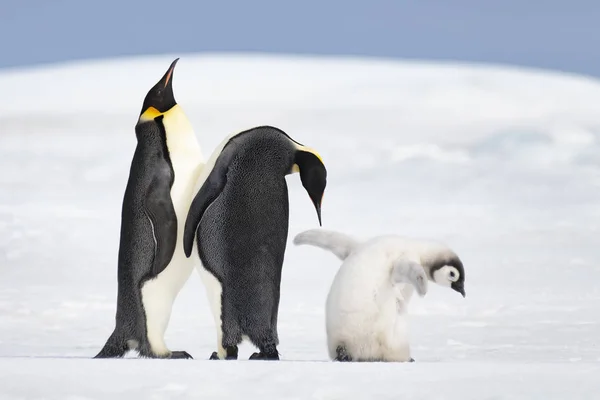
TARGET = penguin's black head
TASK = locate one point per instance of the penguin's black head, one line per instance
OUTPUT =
(313, 175)
(160, 98)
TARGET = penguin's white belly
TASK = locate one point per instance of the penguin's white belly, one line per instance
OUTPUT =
(366, 335)
(158, 294)
(362, 315)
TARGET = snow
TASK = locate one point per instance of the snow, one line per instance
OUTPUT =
(500, 163)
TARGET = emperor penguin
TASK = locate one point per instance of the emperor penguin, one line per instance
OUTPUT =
(239, 218)
(152, 267)
(367, 303)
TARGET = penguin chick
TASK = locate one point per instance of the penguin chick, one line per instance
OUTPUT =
(240, 220)
(367, 303)
(152, 267)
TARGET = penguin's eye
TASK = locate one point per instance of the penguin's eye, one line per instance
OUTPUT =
(453, 274)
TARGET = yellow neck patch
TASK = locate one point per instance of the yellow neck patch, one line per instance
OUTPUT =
(295, 167)
(150, 114)
(312, 151)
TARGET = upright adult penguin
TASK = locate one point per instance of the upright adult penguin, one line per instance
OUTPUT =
(239, 218)
(152, 267)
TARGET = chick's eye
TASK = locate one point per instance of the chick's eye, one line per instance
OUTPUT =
(453, 275)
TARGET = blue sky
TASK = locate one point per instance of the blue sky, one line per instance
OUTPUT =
(562, 35)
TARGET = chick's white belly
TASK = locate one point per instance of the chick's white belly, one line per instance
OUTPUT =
(363, 318)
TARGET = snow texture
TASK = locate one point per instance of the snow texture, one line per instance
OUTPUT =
(500, 164)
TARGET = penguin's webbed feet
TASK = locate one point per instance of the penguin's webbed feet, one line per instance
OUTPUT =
(269, 352)
(172, 355)
(345, 358)
(180, 355)
(264, 356)
(342, 355)
(231, 354)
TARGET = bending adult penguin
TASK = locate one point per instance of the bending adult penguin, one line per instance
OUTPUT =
(152, 267)
(367, 303)
(240, 220)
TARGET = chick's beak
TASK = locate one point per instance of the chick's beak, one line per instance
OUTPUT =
(460, 288)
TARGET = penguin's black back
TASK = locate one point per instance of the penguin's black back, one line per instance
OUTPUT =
(243, 233)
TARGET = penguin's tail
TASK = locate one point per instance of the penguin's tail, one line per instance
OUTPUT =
(407, 271)
(116, 347)
(338, 243)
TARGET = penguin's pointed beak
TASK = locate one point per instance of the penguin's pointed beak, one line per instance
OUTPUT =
(317, 200)
(460, 288)
(166, 82)
(160, 98)
(318, 208)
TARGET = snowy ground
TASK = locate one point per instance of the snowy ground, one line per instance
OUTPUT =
(501, 164)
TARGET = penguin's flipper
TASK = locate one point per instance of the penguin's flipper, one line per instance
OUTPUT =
(161, 213)
(407, 271)
(209, 191)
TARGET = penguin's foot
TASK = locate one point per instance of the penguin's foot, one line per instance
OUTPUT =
(343, 359)
(268, 352)
(231, 353)
(342, 355)
(176, 355)
(172, 355)
(264, 356)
